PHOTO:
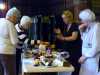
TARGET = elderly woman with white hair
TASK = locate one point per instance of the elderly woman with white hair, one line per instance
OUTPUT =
(22, 28)
(90, 33)
(8, 41)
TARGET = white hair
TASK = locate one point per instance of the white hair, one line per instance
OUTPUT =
(25, 19)
(87, 15)
(13, 11)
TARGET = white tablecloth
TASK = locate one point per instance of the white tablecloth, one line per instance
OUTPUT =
(27, 67)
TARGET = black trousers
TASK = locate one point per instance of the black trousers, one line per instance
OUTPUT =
(75, 54)
(8, 64)
(18, 61)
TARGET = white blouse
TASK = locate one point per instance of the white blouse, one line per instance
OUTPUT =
(91, 40)
(8, 37)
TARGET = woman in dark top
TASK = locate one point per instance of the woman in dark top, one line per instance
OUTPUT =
(70, 40)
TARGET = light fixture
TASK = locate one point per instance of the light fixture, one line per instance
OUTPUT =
(2, 6)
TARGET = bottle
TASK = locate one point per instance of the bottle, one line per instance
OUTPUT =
(48, 51)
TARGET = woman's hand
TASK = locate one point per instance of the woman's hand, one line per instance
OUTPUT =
(60, 37)
(58, 34)
(82, 27)
(82, 59)
(32, 42)
(57, 31)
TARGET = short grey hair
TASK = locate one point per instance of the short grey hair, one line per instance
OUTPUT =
(13, 11)
(26, 19)
(87, 15)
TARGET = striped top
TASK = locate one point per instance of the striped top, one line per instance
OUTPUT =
(22, 37)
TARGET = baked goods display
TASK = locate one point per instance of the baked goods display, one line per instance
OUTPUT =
(46, 56)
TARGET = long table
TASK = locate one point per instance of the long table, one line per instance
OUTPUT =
(29, 69)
